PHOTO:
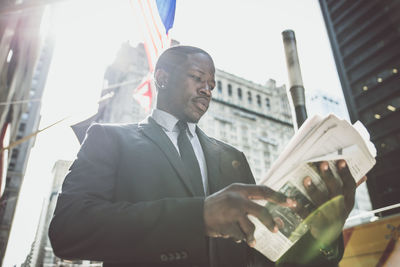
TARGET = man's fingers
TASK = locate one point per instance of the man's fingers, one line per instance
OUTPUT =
(304, 209)
(262, 192)
(333, 185)
(248, 229)
(316, 196)
(262, 214)
(349, 185)
(234, 232)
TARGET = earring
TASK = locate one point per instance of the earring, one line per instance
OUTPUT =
(162, 85)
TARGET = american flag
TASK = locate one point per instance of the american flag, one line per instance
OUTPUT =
(156, 18)
(144, 93)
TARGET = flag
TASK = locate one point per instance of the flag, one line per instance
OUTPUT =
(144, 93)
(156, 18)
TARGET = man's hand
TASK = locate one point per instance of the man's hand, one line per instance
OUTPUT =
(327, 221)
(225, 212)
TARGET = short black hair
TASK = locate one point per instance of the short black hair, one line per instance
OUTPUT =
(175, 56)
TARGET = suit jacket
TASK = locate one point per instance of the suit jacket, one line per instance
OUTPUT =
(128, 201)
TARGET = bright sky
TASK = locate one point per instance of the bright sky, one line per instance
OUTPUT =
(244, 38)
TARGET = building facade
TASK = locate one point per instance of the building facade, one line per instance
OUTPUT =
(129, 68)
(41, 254)
(252, 117)
(364, 36)
(321, 103)
(25, 58)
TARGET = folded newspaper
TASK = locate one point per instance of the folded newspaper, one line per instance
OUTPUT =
(319, 139)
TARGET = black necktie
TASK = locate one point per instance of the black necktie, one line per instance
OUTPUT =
(189, 158)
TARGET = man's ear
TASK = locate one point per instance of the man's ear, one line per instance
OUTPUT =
(161, 78)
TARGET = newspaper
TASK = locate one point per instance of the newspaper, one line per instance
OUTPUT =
(319, 139)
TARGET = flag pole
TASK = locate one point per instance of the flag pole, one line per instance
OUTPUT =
(25, 138)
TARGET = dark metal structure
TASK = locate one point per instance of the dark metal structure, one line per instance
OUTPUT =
(365, 37)
(296, 87)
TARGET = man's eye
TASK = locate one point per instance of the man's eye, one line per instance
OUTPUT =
(196, 78)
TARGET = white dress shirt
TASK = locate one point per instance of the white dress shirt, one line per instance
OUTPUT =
(168, 124)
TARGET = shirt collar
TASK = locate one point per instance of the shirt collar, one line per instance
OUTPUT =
(168, 121)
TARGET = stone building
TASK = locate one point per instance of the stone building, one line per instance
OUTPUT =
(252, 117)
(323, 103)
(41, 254)
(120, 80)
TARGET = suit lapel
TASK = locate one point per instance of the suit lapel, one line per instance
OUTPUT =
(212, 155)
(153, 131)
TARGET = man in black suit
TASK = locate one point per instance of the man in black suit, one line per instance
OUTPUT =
(163, 193)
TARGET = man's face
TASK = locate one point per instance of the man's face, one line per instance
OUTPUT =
(189, 90)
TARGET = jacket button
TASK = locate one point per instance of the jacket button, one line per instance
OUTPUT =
(164, 257)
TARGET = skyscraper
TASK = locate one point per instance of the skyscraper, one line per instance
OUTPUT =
(322, 103)
(364, 36)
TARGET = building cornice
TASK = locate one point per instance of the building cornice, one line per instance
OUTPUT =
(253, 112)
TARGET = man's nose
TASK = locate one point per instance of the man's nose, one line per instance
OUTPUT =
(206, 89)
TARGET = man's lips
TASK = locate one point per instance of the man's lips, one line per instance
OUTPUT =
(201, 103)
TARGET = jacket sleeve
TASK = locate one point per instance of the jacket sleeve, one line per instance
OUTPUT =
(88, 224)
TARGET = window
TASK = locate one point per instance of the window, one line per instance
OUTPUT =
(22, 127)
(14, 153)
(249, 97)
(240, 93)
(11, 166)
(267, 103)
(259, 100)
(244, 130)
(219, 86)
(229, 90)
(266, 164)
